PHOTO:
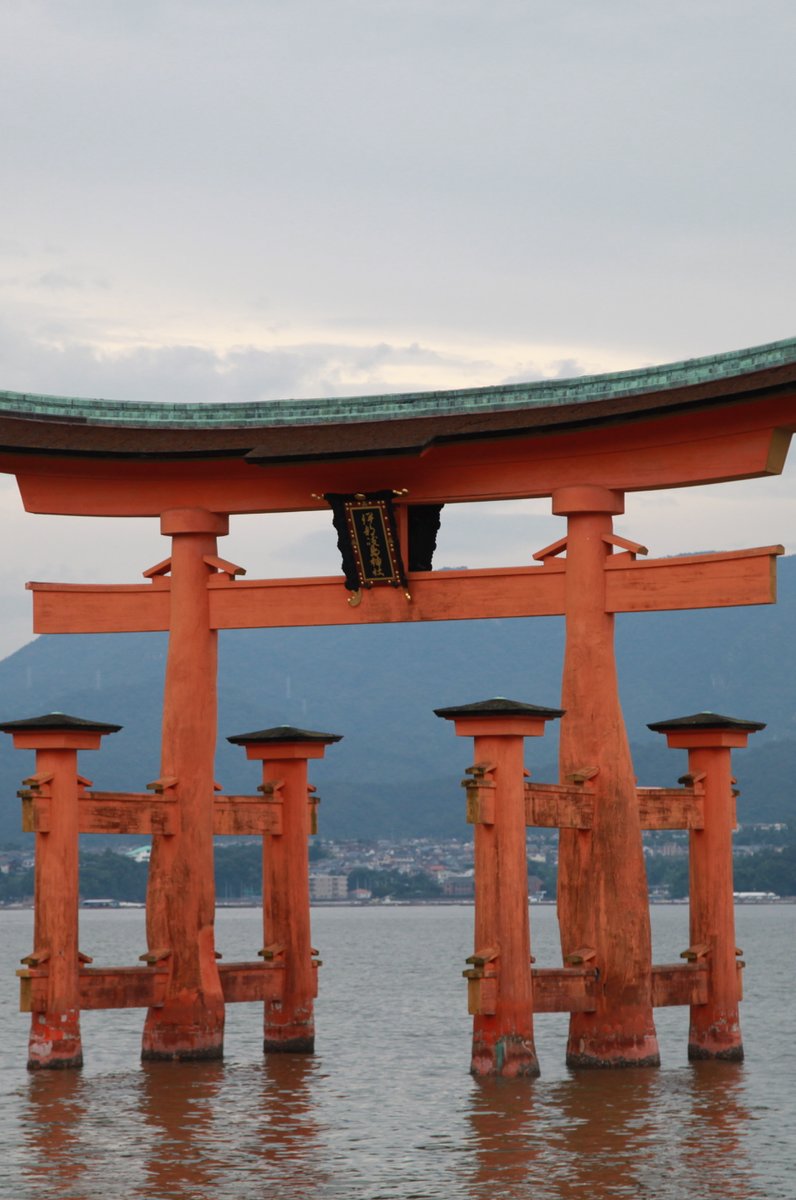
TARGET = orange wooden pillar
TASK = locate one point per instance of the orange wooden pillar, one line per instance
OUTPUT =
(181, 891)
(284, 752)
(709, 738)
(56, 738)
(602, 886)
(500, 985)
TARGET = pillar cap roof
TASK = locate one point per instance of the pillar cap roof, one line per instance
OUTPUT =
(707, 720)
(284, 733)
(498, 706)
(59, 720)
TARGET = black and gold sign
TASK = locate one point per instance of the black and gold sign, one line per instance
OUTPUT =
(368, 539)
(373, 542)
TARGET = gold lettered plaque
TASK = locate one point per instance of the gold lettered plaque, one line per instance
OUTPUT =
(372, 540)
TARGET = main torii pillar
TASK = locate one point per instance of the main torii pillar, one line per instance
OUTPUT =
(181, 890)
(602, 885)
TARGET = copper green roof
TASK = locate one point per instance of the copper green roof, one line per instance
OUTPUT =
(584, 389)
(276, 431)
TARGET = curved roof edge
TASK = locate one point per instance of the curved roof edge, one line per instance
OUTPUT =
(545, 393)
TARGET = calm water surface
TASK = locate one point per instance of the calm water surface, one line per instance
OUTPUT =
(386, 1107)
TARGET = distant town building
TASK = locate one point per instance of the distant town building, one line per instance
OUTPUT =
(328, 887)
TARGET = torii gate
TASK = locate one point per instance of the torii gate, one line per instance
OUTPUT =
(585, 443)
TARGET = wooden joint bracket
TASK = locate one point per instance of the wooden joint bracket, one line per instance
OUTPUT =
(37, 782)
(480, 794)
(272, 952)
(163, 785)
(270, 789)
(583, 775)
(223, 566)
(692, 779)
(153, 957)
(633, 548)
(551, 551)
(161, 568)
(579, 957)
(481, 957)
(695, 953)
(37, 959)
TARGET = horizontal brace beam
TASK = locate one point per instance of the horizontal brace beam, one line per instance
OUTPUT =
(100, 987)
(249, 981)
(564, 989)
(671, 808)
(558, 806)
(679, 983)
(694, 581)
(128, 812)
(242, 815)
(722, 580)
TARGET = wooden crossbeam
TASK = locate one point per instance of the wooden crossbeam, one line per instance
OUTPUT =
(100, 987)
(693, 581)
(559, 806)
(564, 989)
(145, 987)
(241, 815)
(671, 808)
(244, 982)
(679, 983)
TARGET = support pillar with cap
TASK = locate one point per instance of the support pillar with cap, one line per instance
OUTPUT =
(602, 885)
(56, 737)
(284, 752)
(710, 738)
(181, 889)
(500, 984)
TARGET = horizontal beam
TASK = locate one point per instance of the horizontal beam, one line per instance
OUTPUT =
(100, 987)
(671, 808)
(100, 608)
(241, 815)
(679, 983)
(558, 806)
(108, 812)
(145, 987)
(693, 581)
(244, 982)
(564, 989)
(721, 580)
(743, 438)
(128, 812)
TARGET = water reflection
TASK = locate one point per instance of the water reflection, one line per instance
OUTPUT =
(232, 1132)
(174, 1131)
(715, 1142)
(613, 1134)
(177, 1103)
(53, 1160)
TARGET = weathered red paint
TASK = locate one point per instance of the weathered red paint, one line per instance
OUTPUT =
(715, 1030)
(289, 1023)
(503, 1042)
(181, 890)
(55, 1027)
(690, 581)
(602, 887)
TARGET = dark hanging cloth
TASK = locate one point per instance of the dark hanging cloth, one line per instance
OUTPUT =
(424, 521)
(367, 537)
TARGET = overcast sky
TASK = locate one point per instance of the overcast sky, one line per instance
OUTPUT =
(258, 199)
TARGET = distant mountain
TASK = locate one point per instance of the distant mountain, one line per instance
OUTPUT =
(398, 768)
